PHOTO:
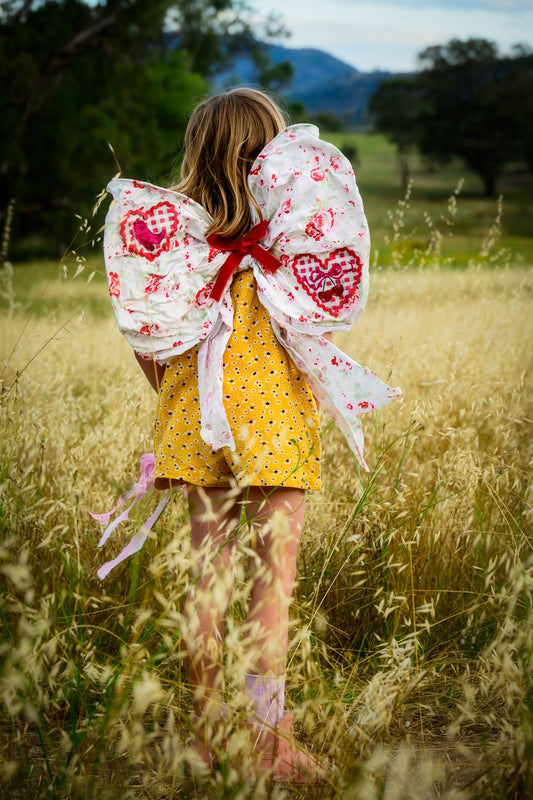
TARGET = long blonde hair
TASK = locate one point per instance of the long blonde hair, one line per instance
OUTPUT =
(224, 136)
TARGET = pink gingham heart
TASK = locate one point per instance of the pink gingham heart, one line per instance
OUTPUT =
(148, 233)
(333, 282)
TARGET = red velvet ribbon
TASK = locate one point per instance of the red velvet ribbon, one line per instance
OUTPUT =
(237, 249)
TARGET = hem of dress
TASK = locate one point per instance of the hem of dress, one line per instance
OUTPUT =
(162, 483)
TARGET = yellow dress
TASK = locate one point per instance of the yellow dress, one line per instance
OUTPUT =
(270, 408)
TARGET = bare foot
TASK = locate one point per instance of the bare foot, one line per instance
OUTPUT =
(285, 759)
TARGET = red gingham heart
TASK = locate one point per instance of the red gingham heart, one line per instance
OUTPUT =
(332, 283)
(149, 233)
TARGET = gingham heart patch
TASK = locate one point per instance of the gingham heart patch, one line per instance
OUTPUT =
(148, 233)
(333, 282)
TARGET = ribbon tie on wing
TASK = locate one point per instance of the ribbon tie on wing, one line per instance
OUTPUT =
(237, 249)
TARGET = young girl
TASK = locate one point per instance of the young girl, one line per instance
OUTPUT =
(228, 287)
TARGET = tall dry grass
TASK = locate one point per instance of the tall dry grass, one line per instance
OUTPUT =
(411, 651)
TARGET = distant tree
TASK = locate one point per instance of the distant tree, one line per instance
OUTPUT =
(395, 108)
(297, 111)
(476, 105)
(351, 152)
(329, 121)
(275, 77)
(76, 75)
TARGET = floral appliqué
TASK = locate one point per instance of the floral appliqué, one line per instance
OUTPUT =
(153, 283)
(332, 283)
(320, 224)
(113, 281)
(203, 298)
(148, 233)
(147, 330)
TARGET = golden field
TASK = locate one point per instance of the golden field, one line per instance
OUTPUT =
(411, 659)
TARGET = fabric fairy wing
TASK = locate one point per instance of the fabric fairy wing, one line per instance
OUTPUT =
(159, 268)
(344, 387)
(306, 190)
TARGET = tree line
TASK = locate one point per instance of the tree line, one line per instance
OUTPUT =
(77, 76)
(466, 101)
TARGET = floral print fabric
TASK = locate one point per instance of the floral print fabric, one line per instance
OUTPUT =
(161, 271)
(269, 406)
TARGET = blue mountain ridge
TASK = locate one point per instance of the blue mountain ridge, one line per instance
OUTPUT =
(321, 81)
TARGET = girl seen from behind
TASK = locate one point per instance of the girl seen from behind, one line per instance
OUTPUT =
(228, 287)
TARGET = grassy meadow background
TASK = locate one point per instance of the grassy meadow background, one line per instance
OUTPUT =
(412, 650)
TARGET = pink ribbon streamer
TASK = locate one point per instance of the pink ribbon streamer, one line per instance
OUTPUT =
(137, 492)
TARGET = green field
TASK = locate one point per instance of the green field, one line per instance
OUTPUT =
(462, 231)
(436, 225)
(411, 659)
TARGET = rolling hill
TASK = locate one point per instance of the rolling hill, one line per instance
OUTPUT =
(321, 81)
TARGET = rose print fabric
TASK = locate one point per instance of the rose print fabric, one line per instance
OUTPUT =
(161, 273)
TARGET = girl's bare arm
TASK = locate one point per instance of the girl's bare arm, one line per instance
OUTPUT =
(153, 371)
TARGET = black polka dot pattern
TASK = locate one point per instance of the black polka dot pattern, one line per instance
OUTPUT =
(270, 408)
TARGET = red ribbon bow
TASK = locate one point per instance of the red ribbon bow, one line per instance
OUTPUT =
(238, 248)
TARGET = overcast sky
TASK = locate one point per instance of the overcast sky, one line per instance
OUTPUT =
(388, 34)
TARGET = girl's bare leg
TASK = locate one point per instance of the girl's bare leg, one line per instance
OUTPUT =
(277, 516)
(214, 515)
